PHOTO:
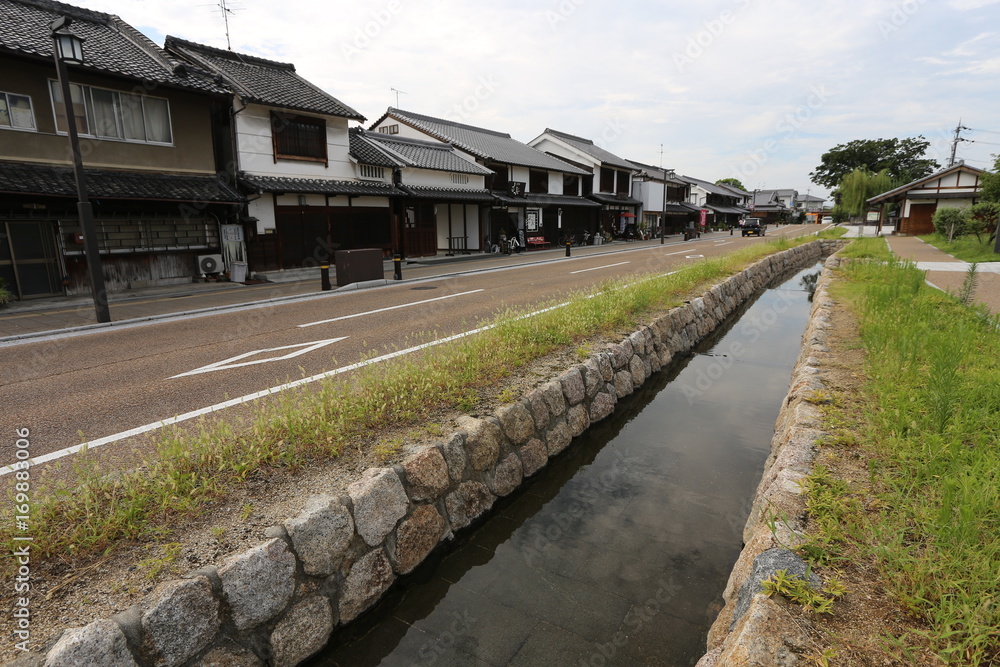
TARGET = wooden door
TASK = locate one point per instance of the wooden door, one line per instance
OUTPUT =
(421, 231)
(921, 219)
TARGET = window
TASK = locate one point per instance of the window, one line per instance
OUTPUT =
(460, 179)
(571, 184)
(538, 181)
(607, 179)
(298, 137)
(588, 185)
(371, 171)
(624, 182)
(16, 112)
(112, 114)
(389, 129)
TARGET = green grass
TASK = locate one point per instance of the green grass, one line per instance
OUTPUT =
(931, 400)
(868, 248)
(965, 248)
(91, 511)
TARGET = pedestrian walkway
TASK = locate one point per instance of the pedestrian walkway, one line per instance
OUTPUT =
(867, 231)
(948, 273)
(35, 317)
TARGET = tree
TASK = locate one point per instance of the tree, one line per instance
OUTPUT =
(991, 183)
(902, 158)
(857, 187)
(735, 182)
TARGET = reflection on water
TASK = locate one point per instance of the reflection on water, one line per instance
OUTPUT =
(618, 552)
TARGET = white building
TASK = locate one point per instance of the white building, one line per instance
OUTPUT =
(662, 195)
(289, 150)
(957, 186)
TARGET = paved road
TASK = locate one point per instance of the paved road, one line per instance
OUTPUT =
(98, 386)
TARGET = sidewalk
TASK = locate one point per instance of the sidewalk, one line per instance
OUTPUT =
(947, 273)
(37, 317)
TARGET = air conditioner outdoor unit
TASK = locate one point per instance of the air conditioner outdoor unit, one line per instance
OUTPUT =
(210, 264)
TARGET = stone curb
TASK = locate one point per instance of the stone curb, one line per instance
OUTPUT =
(279, 602)
(753, 629)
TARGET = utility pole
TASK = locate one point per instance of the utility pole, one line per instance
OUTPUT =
(954, 142)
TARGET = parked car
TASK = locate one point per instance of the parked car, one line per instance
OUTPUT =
(750, 226)
(827, 220)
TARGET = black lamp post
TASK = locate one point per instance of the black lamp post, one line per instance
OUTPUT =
(667, 175)
(68, 48)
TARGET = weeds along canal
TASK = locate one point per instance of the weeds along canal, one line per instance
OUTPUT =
(617, 553)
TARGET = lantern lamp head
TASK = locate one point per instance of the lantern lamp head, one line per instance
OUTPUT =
(68, 45)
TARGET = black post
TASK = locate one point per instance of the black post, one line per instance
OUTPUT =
(86, 212)
(324, 276)
(568, 243)
(397, 267)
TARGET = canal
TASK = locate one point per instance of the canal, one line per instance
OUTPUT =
(617, 553)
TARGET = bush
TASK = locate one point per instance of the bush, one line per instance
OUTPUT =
(983, 220)
(951, 222)
(5, 294)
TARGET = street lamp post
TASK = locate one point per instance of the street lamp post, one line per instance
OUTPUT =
(663, 217)
(68, 48)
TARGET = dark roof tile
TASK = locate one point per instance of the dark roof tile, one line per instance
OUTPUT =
(262, 81)
(316, 186)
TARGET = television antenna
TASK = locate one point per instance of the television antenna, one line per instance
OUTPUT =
(226, 9)
(398, 93)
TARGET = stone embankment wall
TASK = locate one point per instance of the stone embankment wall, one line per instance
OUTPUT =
(753, 629)
(278, 603)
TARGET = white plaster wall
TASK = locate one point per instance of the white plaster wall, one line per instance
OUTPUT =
(293, 200)
(263, 210)
(555, 183)
(954, 203)
(256, 150)
(519, 174)
(441, 179)
(405, 131)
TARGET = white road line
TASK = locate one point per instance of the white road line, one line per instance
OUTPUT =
(596, 268)
(227, 363)
(194, 414)
(719, 245)
(382, 310)
(677, 253)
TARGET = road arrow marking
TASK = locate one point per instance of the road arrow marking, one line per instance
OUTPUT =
(301, 348)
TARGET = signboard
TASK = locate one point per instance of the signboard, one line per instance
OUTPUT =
(531, 219)
(516, 188)
(872, 216)
(703, 217)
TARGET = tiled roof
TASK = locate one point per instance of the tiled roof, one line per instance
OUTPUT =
(614, 199)
(449, 194)
(316, 186)
(29, 179)
(110, 45)
(658, 173)
(484, 144)
(262, 81)
(590, 148)
(710, 187)
(411, 153)
(958, 166)
(544, 200)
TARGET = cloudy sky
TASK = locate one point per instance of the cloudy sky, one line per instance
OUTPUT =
(754, 89)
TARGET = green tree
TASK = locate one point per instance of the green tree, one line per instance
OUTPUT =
(991, 183)
(860, 185)
(902, 158)
(735, 182)
(951, 222)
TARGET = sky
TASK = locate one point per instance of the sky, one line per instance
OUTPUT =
(756, 90)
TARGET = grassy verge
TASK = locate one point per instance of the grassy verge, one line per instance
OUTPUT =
(928, 420)
(93, 511)
(965, 248)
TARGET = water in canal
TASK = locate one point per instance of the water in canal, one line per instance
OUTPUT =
(616, 553)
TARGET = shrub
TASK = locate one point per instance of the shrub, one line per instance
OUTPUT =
(5, 294)
(983, 219)
(951, 222)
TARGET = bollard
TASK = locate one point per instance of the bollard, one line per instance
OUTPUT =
(324, 276)
(397, 267)
(567, 247)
